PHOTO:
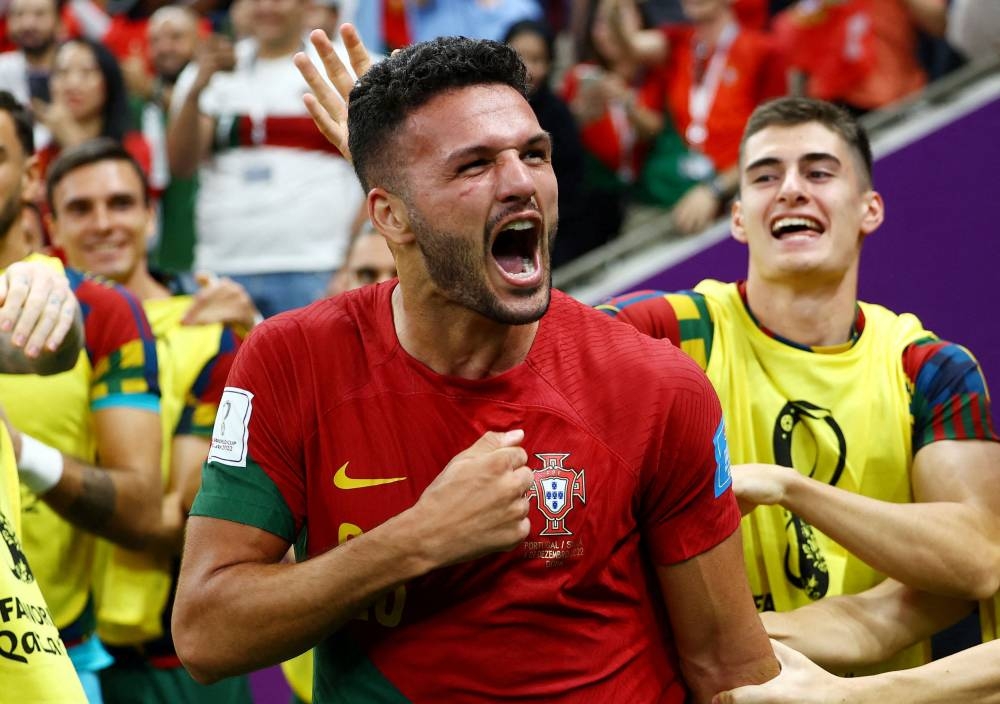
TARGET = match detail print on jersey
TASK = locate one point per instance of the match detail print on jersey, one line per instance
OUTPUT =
(232, 427)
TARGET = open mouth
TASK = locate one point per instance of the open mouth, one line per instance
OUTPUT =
(790, 227)
(515, 250)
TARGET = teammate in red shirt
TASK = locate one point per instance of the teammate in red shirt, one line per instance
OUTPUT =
(488, 508)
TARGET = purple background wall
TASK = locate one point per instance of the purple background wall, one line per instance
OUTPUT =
(936, 255)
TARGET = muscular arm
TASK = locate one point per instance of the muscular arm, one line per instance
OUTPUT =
(968, 676)
(118, 500)
(720, 640)
(238, 608)
(845, 632)
(948, 542)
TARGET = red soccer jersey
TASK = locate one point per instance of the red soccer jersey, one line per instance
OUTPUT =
(624, 434)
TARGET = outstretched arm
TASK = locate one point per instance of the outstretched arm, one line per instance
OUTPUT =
(968, 676)
(948, 542)
(842, 633)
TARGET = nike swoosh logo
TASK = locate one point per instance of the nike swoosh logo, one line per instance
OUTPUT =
(342, 481)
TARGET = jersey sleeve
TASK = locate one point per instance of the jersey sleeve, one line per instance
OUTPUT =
(950, 400)
(682, 317)
(202, 400)
(255, 472)
(119, 344)
(687, 505)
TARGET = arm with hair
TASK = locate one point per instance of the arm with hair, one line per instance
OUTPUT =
(239, 607)
(946, 543)
(845, 632)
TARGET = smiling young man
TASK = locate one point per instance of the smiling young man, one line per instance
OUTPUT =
(853, 411)
(480, 520)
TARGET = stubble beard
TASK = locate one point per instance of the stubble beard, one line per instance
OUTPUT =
(455, 265)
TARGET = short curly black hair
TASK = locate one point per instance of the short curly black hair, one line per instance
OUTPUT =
(393, 88)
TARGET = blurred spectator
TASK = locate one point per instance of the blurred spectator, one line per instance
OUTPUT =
(534, 43)
(88, 100)
(173, 40)
(618, 105)
(974, 28)
(861, 53)
(380, 21)
(33, 27)
(717, 73)
(325, 15)
(119, 26)
(275, 201)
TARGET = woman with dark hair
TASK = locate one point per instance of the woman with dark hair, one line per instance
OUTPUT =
(88, 100)
(534, 43)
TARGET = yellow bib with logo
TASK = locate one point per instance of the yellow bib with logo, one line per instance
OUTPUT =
(34, 666)
(131, 588)
(841, 418)
(56, 411)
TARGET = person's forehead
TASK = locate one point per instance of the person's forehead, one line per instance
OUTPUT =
(172, 24)
(99, 180)
(492, 115)
(790, 142)
(32, 5)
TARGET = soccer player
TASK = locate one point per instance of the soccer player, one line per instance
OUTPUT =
(36, 299)
(86, 441)
(100, 216)
(843, 412)
(483, 520)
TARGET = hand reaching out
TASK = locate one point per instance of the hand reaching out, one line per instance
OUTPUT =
(327, 102)
(37, 306)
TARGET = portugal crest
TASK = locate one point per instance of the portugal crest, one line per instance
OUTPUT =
(555, 487)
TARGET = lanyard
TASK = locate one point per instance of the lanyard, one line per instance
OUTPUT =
(703, 92)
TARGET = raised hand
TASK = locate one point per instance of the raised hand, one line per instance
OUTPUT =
(37, 307)
(477, 505)
(327, 101)
(221, 300)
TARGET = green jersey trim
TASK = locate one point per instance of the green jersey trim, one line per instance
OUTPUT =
(244, 495)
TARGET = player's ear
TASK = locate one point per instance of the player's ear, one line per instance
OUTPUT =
(873, 213)
(736, 222)
(389, 215)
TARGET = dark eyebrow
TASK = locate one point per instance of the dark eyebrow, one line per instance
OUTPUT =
(813, 157)
(760, 163)
(540, 139)
(810, 158)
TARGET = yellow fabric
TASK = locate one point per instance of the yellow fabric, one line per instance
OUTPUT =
(826, 415)
(989, 618)
(299, 673)
(35, 667)
(131, 588)
(61, 556)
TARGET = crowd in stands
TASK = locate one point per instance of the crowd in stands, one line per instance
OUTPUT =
(645, 98)
(184, 124)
